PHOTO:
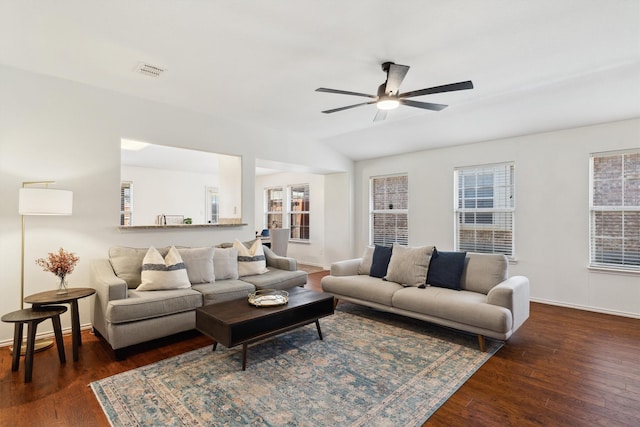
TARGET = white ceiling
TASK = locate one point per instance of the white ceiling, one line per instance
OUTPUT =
(536, 65)
(171, 158)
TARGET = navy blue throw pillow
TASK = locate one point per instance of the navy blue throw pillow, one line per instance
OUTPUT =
(445, 269)
(381, 258)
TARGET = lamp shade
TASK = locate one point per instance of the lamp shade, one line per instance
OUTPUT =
(45, 201)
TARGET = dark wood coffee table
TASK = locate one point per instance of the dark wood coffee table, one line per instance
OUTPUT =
(237, 322)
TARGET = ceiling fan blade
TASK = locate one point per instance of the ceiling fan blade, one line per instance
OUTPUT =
(438, 89)
(344, 92)
(395, 76)
(424, 105)
(347, 107)
(380, 116)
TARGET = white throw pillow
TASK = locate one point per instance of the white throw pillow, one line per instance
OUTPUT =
(163, 273)
(250, 260)
(225, 263)
(199, 264)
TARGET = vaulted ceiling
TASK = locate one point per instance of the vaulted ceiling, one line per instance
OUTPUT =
(536, 65)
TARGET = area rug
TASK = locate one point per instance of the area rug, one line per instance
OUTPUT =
(372, 368)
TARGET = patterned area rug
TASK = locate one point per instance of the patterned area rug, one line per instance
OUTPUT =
(372, 368)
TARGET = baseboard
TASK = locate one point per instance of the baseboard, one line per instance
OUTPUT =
(586, 308)
(50, 334)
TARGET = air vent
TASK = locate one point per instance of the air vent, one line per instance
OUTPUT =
(149, 70)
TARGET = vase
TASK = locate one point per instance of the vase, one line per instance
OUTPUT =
(62, 285)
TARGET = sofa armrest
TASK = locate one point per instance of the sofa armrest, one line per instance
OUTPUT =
(105, 282)
(279, 262)
(512, 294)
(348, 267)
(108, 287)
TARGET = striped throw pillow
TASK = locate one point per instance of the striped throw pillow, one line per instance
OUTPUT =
(250, 260)
(163, 273)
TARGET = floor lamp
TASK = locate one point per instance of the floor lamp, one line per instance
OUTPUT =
(40, 201)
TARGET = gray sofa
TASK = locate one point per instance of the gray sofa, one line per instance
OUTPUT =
(125, 316)
(489, 303)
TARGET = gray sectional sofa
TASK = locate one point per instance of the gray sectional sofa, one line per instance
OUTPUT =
(125, 316)
(487, 302)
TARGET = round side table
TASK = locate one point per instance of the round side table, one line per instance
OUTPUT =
(32, 317)
(43, 299)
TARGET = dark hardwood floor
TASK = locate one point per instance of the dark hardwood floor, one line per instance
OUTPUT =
(564, 367)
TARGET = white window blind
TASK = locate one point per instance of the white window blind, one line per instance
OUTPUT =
(299, 212)
(126, 203)
(389, 210)
(615, 210)
(484, 208)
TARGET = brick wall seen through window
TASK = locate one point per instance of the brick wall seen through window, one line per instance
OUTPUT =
(389, 210)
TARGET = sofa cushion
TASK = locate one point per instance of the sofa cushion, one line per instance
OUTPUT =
(380, 261)
(250, 260)
(408, 265)
(366, 261)
(223, 290)
(160, 273)
(445, 269)
(225, 263)
(199, 264)
(140, 305)
(483, 271)
(127, 263)
(465, 307)
(277, 279)
(361, 287)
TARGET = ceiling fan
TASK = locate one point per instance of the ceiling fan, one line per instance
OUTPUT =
(388, 97)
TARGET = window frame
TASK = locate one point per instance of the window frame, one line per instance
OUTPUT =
(596, 251)
(502, 212)
(268, 212)
(398, 237)
(291, 212)
(123, 204)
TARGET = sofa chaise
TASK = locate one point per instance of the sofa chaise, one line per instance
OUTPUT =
(484, 301)
(124, 315)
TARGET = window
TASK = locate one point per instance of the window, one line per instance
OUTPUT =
(299, 212)
(389, 210)
(484, 208)
(212, 205)
(615, 210)
(274, 200)
(126, 203)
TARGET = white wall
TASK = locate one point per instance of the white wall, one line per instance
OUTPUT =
(338, 218)
(230, 191)
(551, 219)
(167, 192)
(53, 129)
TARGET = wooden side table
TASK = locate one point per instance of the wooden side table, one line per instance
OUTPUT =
(42, 299)
(32, 317)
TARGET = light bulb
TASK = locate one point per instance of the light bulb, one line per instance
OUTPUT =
(387, 104)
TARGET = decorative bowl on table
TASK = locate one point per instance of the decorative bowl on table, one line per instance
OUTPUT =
(268, 297)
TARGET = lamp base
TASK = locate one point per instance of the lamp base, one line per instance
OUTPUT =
(42, 344)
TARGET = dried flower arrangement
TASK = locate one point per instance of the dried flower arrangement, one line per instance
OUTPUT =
(59, 263)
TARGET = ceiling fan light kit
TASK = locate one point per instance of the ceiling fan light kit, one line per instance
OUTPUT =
(389, 98)
(388, 103)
